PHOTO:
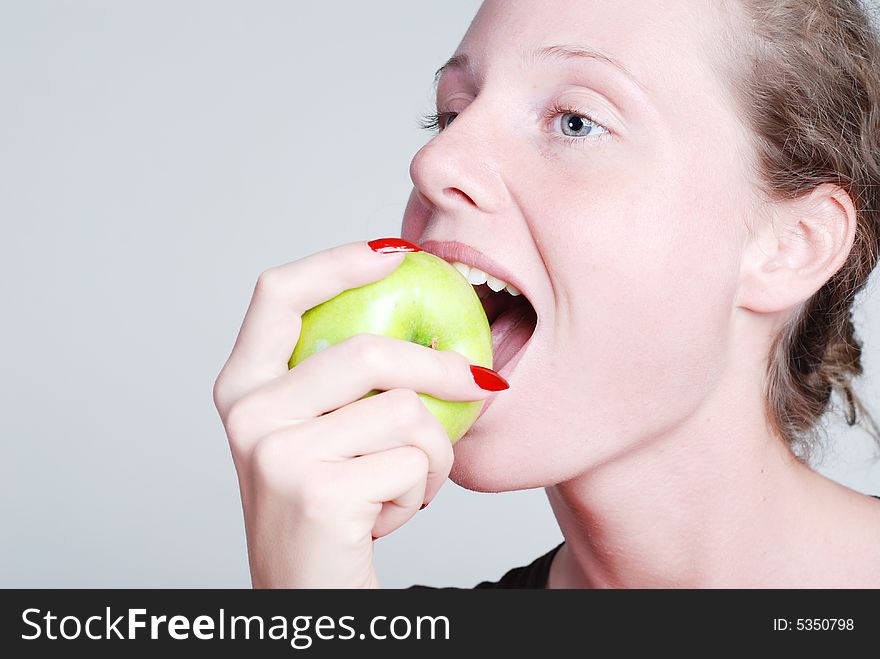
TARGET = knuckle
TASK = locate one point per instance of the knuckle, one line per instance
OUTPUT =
(269, 282)
(271, 464)
(218, 393)
(366, 349)
(279, 464)
(238, 419)
(414, 460)
(406, 406)
(266, 458)
(447, 455)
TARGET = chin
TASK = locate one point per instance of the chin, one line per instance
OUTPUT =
(473, 477)
(494, 458)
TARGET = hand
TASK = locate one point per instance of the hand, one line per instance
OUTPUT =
(323, 471)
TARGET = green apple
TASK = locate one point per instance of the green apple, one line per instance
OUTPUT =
(425, 301)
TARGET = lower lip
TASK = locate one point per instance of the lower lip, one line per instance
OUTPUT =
(507, 369)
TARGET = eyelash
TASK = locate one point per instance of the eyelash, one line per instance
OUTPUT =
(433, 121)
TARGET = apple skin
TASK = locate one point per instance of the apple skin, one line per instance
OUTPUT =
(425, 297)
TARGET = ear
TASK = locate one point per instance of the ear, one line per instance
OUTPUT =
(792, 255)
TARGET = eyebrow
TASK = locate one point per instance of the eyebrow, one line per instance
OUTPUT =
(563, 52)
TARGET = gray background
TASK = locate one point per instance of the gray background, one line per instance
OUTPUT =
(155, 157)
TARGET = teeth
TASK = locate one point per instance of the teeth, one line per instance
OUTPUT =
(462, 268)
(476, 277)
(495, 284)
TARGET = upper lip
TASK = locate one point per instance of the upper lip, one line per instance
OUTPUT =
(453, 250)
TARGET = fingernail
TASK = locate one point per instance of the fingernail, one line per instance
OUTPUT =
(374, 538)
(392, 246)
(424, 505)
(488, 379)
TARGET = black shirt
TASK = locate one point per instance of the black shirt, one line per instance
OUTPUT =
(533, 575)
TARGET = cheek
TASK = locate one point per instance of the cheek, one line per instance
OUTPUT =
(645, 280)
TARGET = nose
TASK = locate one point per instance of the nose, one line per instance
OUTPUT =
(458, 169)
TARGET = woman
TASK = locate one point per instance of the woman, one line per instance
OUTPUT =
(688, 195)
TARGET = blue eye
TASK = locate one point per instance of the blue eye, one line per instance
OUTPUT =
(578, 124)
(576, 128)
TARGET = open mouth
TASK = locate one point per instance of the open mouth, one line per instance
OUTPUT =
(512, 319)
(511, 315)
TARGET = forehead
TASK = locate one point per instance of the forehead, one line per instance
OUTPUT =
(662, 43)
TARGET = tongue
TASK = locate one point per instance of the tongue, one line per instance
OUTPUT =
(510, 332)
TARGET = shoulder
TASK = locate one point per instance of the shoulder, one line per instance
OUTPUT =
(847, 554)
(868, 574)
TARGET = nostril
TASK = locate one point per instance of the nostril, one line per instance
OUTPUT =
(455, 192)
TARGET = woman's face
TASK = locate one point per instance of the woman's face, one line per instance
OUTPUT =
(627, 232)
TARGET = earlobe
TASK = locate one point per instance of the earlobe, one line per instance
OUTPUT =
(792, 255)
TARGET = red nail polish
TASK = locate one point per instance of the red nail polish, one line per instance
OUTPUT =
(392, 246)
(488, 379)
(374, 538)
(424, 505)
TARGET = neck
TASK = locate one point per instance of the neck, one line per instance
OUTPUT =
(717, 501)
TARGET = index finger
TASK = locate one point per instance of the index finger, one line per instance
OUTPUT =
(272, 324)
